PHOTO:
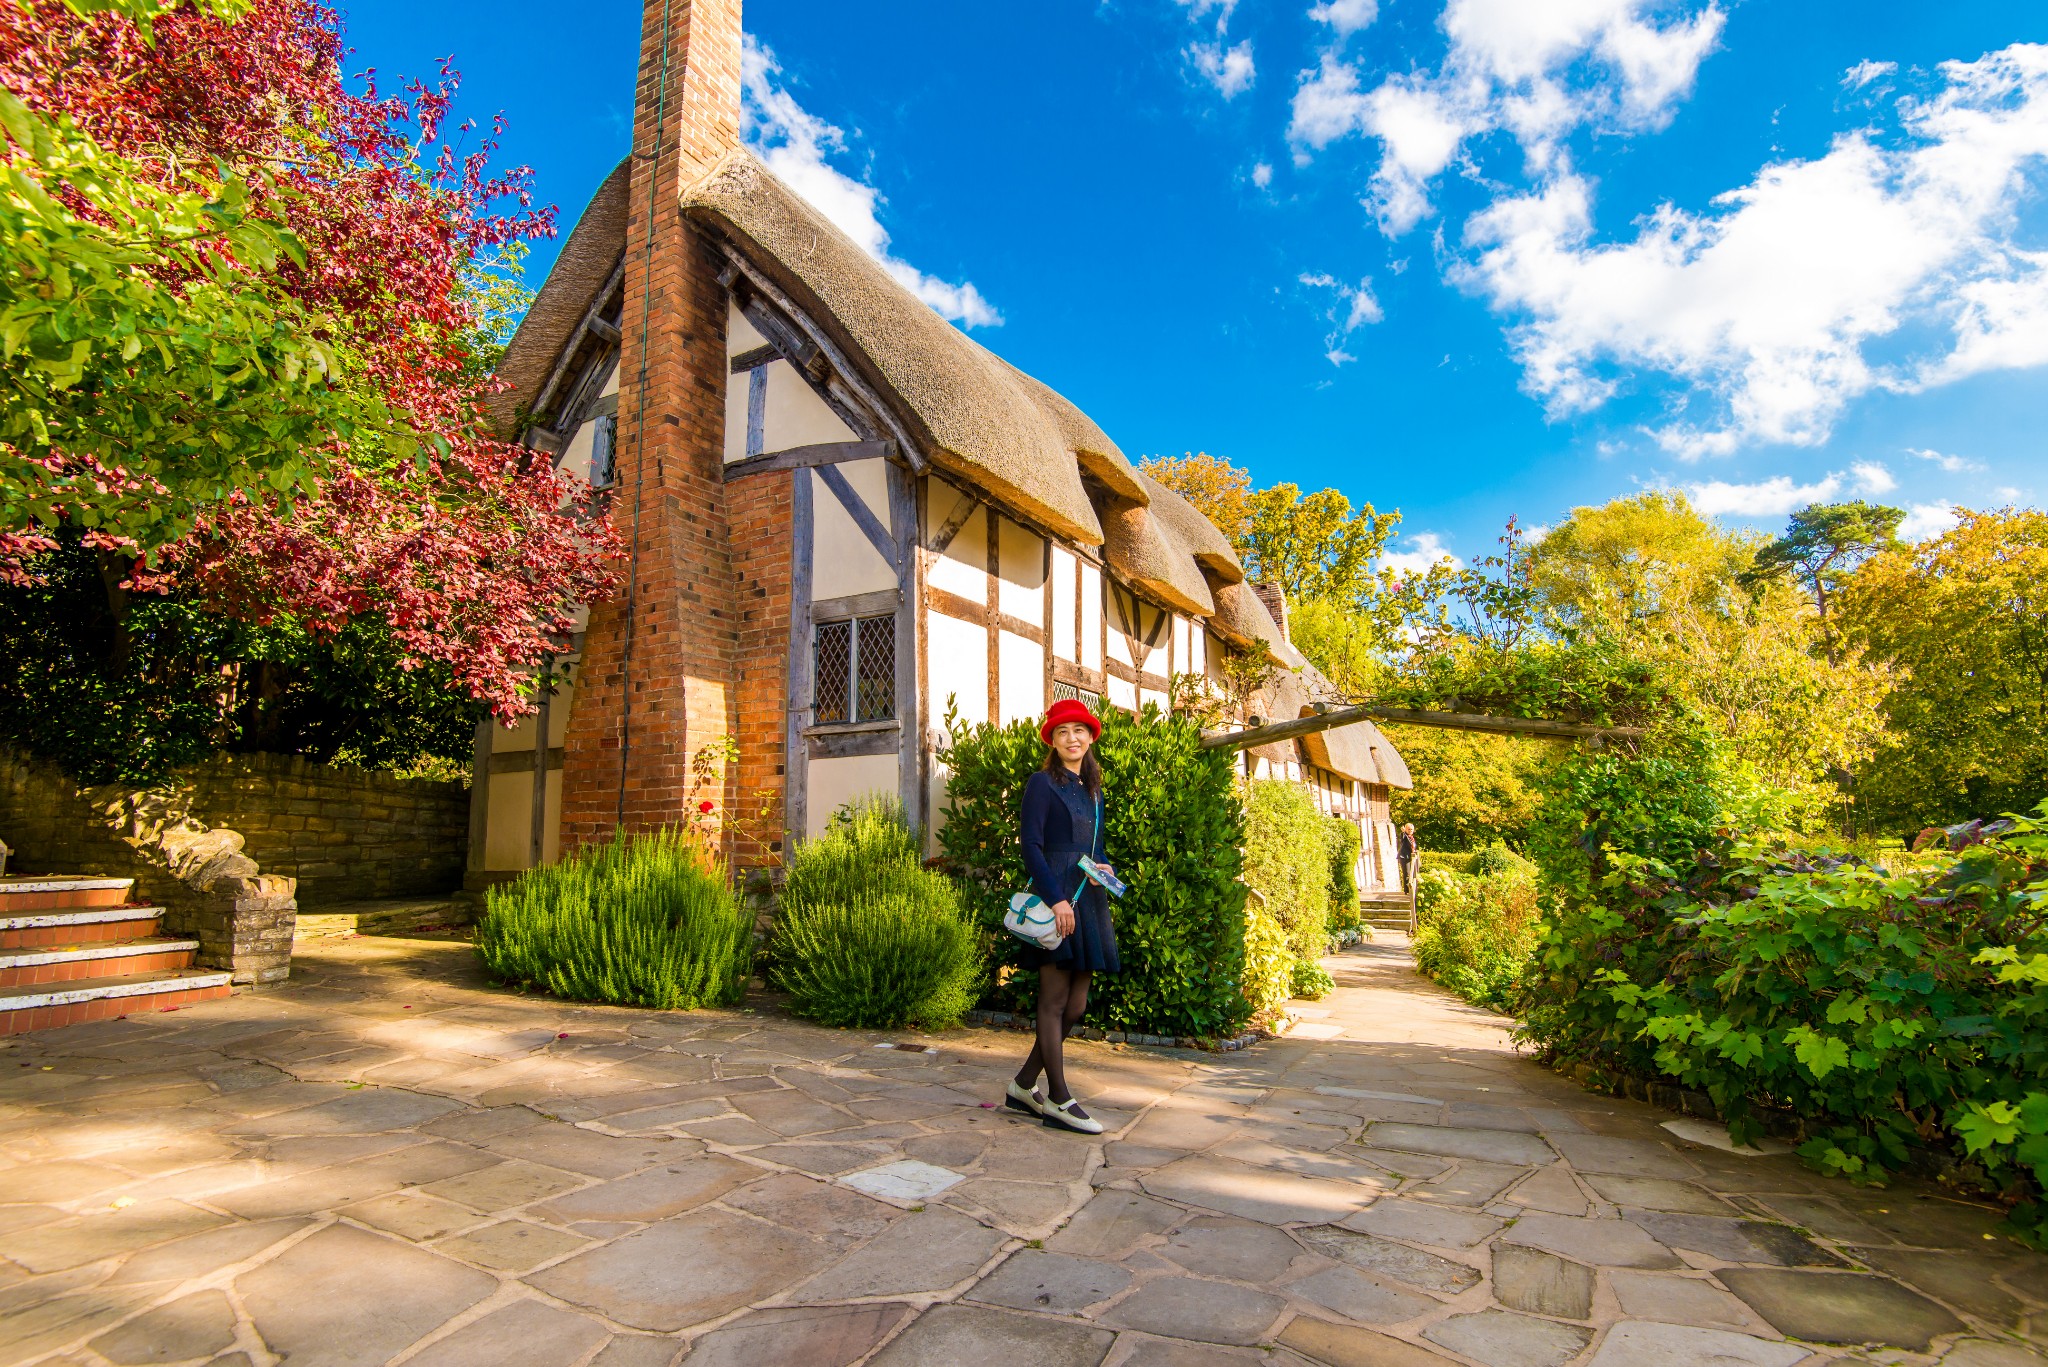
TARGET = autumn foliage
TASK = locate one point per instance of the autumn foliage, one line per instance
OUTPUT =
(470, 551)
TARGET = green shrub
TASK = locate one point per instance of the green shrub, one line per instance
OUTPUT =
(1287, 857)
(867, 937)
(1885, 1012)
(1268, 966)
(1497, 858)
(1174, 829)
(646, 920)
(1477, 933)
(1310, 980)
(1345, 842)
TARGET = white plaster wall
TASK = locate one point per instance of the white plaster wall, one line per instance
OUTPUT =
(1153, 660)
(575, 458)
(1021, 591)
(843, 560)
(740, 334)
(510, 832)
(611, 386)
(1180, 644)
(735, 447)
(833, 783)
(956, 660)
(795, 415)
(1122, 693)
(963, 568)
(1151, 695)
(1020, 678)
(1091, 616)
(1063, 588)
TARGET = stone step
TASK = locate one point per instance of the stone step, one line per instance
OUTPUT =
(105, 959)
(20, 892)
(83, 925)
(49, 1005)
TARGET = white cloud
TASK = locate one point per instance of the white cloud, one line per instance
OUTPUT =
(1230, 70)
(1780, 495)
(1356, 306)
(1954, 465)
(1327, 104)
(1200, 9)
(1262, 175)
(1866, 71)
(1423, 550)
(1767, 301)
(1928, 520)
(1346, 16)
(1534, 70)
(795, 145)
(1766, 498)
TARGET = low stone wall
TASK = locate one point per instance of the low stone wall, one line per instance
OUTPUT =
(346, 835)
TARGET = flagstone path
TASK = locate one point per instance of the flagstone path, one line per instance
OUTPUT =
(386, 1162)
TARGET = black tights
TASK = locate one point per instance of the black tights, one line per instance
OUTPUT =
(1062, 998)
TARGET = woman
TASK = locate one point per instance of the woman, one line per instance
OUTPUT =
(1062, 813)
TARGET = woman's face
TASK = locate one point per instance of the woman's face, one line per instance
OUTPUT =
(1071, 739)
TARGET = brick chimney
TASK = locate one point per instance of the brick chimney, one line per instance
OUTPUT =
(1275, 599)
(659, 661)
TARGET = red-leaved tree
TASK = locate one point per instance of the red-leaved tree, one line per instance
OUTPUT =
(472, 550)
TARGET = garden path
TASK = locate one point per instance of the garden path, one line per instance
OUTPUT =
(386, 1162)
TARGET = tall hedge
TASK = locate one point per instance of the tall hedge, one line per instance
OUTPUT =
(1345, 841)
(1287, 857)
(1173, 827)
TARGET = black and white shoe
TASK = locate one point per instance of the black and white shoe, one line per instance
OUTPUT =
(1030, 1103)
(1068, 1115)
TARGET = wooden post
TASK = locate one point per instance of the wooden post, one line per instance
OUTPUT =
(795, 764)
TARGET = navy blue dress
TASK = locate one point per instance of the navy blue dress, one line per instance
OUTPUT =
(1058, 828)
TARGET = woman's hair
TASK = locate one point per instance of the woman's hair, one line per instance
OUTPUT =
(1091, 772)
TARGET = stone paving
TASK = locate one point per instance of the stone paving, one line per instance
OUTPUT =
(386, 1162)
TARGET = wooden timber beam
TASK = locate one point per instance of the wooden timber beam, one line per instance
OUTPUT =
(1454, 721)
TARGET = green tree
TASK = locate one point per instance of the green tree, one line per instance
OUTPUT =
(1629, 563)
(1823, 546)
(1964, 618)
(1470, 788)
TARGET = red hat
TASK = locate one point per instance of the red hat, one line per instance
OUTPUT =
(1064, 711)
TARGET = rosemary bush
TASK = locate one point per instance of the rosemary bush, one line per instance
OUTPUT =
(867, 937)
(646, 920)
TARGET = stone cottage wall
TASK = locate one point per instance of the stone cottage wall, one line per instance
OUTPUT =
(344, 834)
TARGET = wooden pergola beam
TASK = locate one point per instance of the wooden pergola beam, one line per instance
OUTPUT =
(1453, 721)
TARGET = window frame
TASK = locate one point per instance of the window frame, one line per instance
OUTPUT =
(857, 627)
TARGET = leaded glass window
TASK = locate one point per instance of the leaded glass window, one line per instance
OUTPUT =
(854, 671)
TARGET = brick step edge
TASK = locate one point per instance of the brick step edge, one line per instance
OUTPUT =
(80, 1003)
(33, 956)
(40, 892)
(1010, 1020)
(76, 916)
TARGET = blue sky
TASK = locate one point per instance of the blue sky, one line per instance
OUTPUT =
(1464, 258)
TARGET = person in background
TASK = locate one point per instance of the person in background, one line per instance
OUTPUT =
(1061, 823)
(1404, 848)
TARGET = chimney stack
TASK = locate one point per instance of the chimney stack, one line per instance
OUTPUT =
(659, 661)
(1275, 599)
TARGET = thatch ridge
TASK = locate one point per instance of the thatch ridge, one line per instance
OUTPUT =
(586, 261)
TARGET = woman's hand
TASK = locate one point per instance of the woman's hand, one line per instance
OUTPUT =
(1063, 918)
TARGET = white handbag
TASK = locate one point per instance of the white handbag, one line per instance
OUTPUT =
(1030, 919)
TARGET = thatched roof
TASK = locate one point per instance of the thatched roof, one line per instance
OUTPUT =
(1139, 551)
(968, 410)
(1195, 534)
(1243, 620)
(580, 271)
